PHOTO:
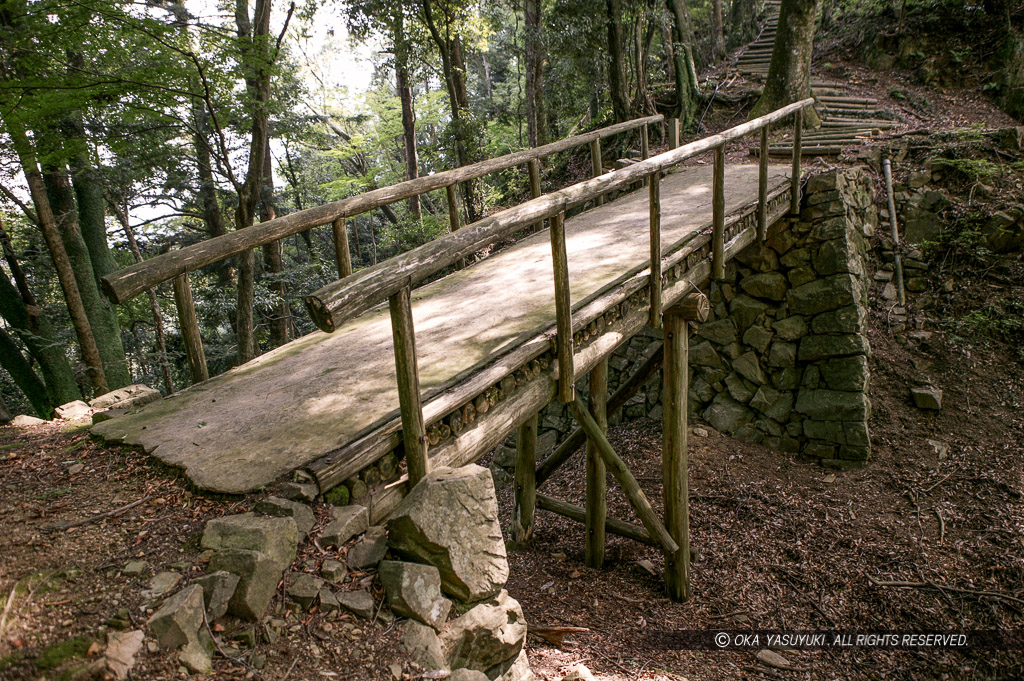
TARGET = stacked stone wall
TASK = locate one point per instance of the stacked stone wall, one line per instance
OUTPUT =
(783, 359)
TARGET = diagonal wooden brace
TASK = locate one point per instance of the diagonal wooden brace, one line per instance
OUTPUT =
(629, 485)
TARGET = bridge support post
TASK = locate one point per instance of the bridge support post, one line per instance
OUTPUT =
(526, 484)
(190, 328)
(342, 254)
(595, 165)
(630, 487)
(762, 189)
(597, 501)
(674, 461)
(414, 434)
(718, 216)
(794, 192)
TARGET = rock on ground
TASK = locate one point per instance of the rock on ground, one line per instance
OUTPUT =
(424, 646)
(73, 410)
(122, 647)
(258, 576)
(218, 587)
(347, 522)
(360, 602)
(490, 633)
(177, 621)
(276, 538)
(450, 520)
(284, 508)
(414, 591)
(369, 550)
(128, 397)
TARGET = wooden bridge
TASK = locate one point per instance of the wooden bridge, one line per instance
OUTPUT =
(478, 353)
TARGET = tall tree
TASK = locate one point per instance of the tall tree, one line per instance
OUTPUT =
(685, 72)
(616, 62)
(742, 22)
(446, 35)
(534, 58)
(717, 31)
(30, 324)
(403, 86)
(789, 74)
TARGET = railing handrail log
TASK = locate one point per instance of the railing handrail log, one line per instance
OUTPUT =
(126, 283)
(347, 298)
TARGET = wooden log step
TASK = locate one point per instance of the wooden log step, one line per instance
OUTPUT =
(850, 113)
(857, 123)
(806, 151)
(847, 100)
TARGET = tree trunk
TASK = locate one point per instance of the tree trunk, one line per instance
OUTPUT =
(616, 64)
(65, 274)
(273, 258)
(88, 187)
(27, 321)
(685, 72)
(717, 37)
(19, 369)
(256, 35)
(100, 312)
(154, 303)
(742, 22)
(534, 58)
(404, 88)
(5, 413)
(789, 74)
(453, 68)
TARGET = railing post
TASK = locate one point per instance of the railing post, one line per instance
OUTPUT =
(673, 133)
(654, 190)
(794, 192)
(595, 164)
(645, 145)
(342, 255)
(762, 188)
(718, 216)
(190, 328)
(563, 310)
(414, 434)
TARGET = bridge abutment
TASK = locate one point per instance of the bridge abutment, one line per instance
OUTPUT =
(783, 360)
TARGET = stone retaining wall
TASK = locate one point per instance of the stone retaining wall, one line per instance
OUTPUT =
(783, 358)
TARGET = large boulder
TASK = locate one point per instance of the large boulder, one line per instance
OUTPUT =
(491, 632)
(414, 591)
(450, 520)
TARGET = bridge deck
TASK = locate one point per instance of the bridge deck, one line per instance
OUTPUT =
(248, 427)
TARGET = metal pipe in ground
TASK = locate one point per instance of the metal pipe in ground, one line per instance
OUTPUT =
(887, 168)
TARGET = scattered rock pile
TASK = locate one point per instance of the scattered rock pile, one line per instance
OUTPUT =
(447, 555)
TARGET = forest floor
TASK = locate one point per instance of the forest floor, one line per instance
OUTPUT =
(783, 544)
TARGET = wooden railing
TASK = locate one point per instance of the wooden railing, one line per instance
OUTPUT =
(126, 283)
(393, 279)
